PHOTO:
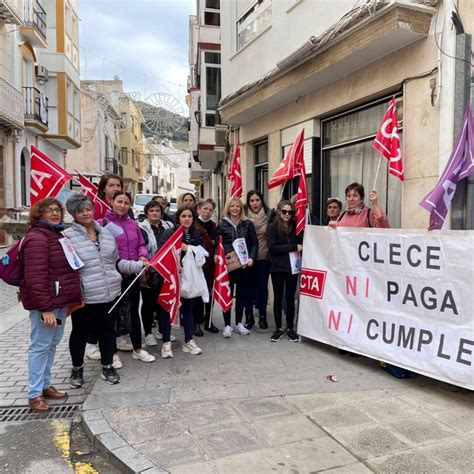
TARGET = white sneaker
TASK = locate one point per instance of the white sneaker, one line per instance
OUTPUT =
(124, 344)
(159, 337)
(241, 329)
(116, 362)
(192, 348)
(143, 355)
(227, 333)
(166, 352)
(92, 351)
(150, 340)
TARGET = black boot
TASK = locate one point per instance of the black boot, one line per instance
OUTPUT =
(249, 321)
(262, 322)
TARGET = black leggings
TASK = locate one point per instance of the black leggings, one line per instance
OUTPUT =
(134, 292)
(150, 307)
(92, 319)
(240, 279)
(284, 281)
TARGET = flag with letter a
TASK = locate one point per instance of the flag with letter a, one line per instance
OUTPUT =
(221, 291)
(91, 191)
(46, 177)
(166, 263)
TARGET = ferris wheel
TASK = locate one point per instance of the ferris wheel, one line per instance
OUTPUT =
(163, 114)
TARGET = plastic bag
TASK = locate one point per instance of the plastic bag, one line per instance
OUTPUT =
(193, 281)
(123, 321)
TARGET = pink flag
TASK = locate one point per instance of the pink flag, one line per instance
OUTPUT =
(91, 190)
(47, 178)
(301, 201)
(387, 142)
(221, 291)
(235, 175)
(166, 263)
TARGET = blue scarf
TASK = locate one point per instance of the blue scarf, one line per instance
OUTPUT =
(57, 227)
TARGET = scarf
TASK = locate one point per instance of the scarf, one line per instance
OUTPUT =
(57, 227)
(260, 222)
(356, 210)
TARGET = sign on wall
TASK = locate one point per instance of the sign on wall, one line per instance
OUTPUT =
(400, 296)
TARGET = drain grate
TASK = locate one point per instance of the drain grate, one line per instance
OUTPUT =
(25, 414)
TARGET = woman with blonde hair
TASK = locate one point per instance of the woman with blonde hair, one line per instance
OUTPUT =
(241, 248)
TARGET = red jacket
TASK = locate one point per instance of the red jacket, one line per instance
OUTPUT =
(48, 280)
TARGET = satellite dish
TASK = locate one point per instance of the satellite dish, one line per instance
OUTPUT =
(163, 114)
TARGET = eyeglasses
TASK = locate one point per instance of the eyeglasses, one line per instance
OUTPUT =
(284, 212)
(52, 210)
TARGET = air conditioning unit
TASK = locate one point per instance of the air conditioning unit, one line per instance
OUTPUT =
(41, 73)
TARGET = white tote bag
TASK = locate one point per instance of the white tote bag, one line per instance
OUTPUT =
(193, 281)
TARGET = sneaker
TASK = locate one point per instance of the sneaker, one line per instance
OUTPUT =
(93, 352)
(124, 344)
(192, 348)
(150, 340)
(212, 329)
(143, 355)
(242, 330)
(109, 374)
(227, 333)
(276, 336)
(166, 352)
(159, 337)
(77, 378)
(292, 336)
(116, 362)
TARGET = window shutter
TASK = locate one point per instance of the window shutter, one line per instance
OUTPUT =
(243, 6)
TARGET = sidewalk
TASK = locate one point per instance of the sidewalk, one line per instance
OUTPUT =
(247, 405)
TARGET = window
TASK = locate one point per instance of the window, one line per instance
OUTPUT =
(212, 16)
(253, 17)
(261, 168)
(212, 58)
(348, 156)
(212, 86)
(124, 155)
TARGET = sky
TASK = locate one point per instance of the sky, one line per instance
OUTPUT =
(144, 42)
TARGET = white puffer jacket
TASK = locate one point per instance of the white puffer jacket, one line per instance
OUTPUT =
(100, 279)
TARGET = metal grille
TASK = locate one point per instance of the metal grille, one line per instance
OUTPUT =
(25, 413)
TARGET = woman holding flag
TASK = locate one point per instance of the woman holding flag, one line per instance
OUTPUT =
(240, 240)
(185, 217)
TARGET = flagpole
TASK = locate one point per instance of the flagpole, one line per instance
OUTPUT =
(377, 172)
(129, 286)
(212, 305)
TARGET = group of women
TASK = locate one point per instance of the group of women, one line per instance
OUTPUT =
(108, 254)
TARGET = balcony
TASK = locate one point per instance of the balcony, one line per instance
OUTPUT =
(111, 165)
(10, 12)
(34, 26)
(11, 106)
(36, 109)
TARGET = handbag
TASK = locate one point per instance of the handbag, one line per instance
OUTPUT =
(232, 262)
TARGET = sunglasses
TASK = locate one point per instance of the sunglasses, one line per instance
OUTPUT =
(284, 212)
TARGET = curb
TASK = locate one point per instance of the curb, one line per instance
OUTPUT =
(114, 447)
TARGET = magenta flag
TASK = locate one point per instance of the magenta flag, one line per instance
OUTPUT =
(459, 166)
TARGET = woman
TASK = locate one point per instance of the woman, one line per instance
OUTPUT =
(208, 230)
(109, 184)
(152, 229)
(48, 287)
(282, 241)
(257, 213)
(186, 199)
(131, 246)
(234, 226)
(101, 286)
(357, 213)
(186, 217)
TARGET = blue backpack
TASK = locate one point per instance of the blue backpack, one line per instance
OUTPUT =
(10, 266)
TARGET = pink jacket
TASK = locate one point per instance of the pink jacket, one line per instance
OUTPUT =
(360, 220)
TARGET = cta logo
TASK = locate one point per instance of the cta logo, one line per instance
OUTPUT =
(312, 282)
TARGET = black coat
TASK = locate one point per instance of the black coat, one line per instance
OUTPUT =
(279, 248)
(193, 237)
(244, 229)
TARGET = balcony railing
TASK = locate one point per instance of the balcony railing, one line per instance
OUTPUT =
(111, 165)
(11, 106)
(36, 17)
(36, 105)
(10, 11)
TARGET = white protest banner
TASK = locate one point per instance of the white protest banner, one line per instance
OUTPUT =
(401, 296)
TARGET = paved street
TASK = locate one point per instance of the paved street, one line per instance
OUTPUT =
(245, 405)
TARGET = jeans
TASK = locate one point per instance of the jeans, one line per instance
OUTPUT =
(149, 308)
(240, 279)
(92, 318)
(284, 282)
(260, 272)
(136, 334)
(43, 342)
(186, 311)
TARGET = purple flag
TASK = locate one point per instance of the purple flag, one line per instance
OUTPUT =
(460, 165)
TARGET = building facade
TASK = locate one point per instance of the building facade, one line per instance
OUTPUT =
(283, 71)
